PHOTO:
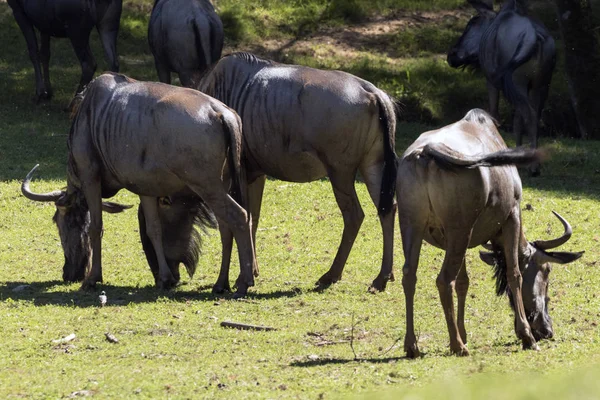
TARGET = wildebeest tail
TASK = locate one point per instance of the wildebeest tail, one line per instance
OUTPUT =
(237, 171)
(449, 159)
(387, 120)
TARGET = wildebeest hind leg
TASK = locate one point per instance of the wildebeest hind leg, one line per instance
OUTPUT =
(372, 177)
(165, 280)
(455, 254)
(347, 200)
(255, 194)
(80, 39)
(222, 283)
(228, 210)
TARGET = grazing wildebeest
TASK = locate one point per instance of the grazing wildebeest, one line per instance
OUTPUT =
(186, 37)
(155, 140)
(75, 20)
(458, 188)
(517, 55)
(303, 124)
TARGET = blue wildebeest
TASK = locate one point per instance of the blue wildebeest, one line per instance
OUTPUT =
(302, 124)
(458, 188)
(75, 20)
(157, 141)
(517, 55)
(186, 37)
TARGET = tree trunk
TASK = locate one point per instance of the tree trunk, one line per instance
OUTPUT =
(582, 60)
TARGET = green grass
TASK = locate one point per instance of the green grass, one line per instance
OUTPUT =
(171, 344)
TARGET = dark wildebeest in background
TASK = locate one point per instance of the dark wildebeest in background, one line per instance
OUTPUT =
(517, 55)
(302, 124)
(75, 20)
(186, 37)
(155, 140)
(457, 188)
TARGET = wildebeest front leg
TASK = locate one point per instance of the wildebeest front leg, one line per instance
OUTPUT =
(510, 238)
(456, 248)
(165, 280)
(93, 196)
(462, 287)
(32, 48)
(347, 200)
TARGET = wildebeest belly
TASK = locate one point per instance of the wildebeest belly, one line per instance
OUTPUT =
(291, 167)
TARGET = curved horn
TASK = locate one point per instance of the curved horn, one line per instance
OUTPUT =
(553, 243)
(51, 196)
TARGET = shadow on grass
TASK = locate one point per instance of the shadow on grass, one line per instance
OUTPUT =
(57, 292)
(340, 361)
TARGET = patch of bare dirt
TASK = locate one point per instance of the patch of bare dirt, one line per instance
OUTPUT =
(353, 41)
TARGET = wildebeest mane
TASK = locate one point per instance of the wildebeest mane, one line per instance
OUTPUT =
(500, 272)
(250, 58)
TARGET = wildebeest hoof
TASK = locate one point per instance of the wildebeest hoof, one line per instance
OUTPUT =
(88, 285)
(166, 284)
(240, 294)
(326, 280)
(379, 284)
(220, 289)
(42, 97)
(460, 351)
(412, 351)
(531, 346)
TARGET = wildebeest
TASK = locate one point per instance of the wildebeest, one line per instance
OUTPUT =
(75, 20)
(517, 55)
(457, 188)
(303, 124)
(186, 37)
(155, 140)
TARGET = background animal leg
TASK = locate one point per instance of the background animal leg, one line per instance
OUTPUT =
(32, 48)
(493, 97)
(462, 287)
(81, 44)
(154, 231)
(511, 233)
(372, 177)
(147, 245)
(45, 57)
(454, 259)
(347, 200)
(255, 195)
(164, 74)
(108, 37)
(93, 196)
(518, 128)
(412, 239)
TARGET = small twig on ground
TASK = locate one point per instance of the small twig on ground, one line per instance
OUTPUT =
(237, 325)
(111, 338)
(66, 339)
(352, 338)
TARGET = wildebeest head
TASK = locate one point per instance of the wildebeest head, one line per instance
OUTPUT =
(178, 214)
(72, 219)
(535, 264)
(466, 50)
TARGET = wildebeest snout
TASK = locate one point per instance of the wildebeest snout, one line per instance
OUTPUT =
(455, 57)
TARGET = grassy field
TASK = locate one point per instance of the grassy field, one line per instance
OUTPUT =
(333, 344)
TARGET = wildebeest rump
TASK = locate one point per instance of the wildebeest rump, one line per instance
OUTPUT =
(75, 20)
(302, 124)
(457, 189)
(517, 55)
(186, 37)
(155, 140)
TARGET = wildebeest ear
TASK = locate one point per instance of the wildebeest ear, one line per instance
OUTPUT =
(488, 257)
(562, 257)
(113, 208)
